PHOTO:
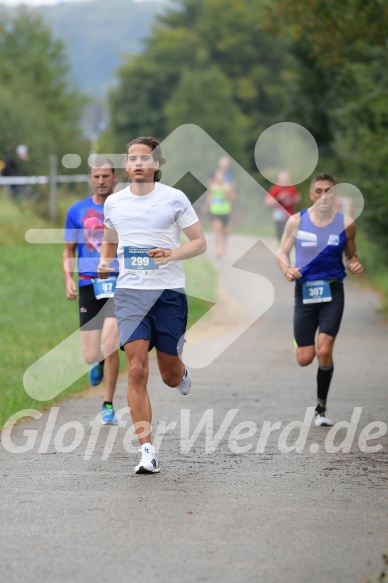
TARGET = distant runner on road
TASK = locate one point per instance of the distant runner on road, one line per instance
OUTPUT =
(320, 235)
(282, 198)
(144, 221)
(220, 196)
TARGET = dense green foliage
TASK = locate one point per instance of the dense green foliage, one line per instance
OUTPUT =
(342, 78)
(235, 67)
(38, 106)
(214, 56)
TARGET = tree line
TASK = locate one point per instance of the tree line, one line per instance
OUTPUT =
(233, 67)
(39, 106)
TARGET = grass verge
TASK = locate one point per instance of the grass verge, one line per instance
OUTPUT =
(375, 271)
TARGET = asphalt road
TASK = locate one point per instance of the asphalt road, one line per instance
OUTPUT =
(231, 503)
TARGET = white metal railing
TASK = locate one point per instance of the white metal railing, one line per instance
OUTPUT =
(23, 180)
(52, 180)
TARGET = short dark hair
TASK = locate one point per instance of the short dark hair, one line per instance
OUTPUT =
(156, 150)
(322, 176)
(99, 161)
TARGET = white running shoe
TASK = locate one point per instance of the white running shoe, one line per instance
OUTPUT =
(185, 384)
(149, 462)
(320, 416)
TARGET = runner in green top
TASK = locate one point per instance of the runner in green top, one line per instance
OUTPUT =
(220, 196)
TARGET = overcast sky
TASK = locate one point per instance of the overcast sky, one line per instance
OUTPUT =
(41, 2)
(33, 2)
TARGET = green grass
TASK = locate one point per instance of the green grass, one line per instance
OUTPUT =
(376, 273)
(36, 315)
(201, 286)
(16, 219)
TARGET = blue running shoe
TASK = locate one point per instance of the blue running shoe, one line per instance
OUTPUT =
(108, 416)
(96, 373)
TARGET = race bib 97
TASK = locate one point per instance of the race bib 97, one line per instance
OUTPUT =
(104, 288)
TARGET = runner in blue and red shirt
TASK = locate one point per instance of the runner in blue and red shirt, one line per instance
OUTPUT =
(83, 239)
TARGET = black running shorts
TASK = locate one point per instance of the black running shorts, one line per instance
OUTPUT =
(223, 218)
(325, 317)
(92, 312)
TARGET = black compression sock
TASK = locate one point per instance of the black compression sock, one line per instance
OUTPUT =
(324, 377)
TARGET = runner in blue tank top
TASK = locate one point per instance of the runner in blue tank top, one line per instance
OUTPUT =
(321, 236)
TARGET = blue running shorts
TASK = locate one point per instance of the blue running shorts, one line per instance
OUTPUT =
(159, 316)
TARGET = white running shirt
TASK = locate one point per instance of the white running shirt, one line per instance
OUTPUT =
(152, 220)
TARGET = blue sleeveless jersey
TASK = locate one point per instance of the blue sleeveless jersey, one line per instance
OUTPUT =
(319, 250)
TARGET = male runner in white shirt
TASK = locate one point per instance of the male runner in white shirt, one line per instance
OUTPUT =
(143, 224)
